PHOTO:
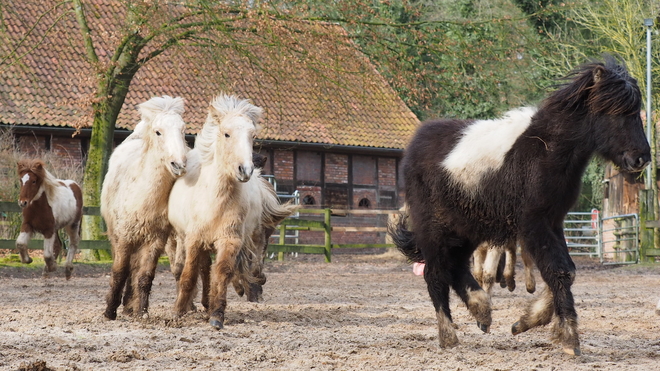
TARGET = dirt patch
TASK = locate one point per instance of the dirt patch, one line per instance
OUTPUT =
(359, 312)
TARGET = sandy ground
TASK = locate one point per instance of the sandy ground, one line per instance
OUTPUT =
(357, 313)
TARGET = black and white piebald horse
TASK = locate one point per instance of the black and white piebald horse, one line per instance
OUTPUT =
(470, 181)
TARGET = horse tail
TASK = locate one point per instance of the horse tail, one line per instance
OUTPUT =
(249, 264)
(404, 239)
(273, 211)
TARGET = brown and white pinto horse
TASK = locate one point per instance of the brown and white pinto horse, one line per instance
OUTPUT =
(48, 204)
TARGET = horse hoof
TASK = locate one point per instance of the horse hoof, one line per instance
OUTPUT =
(531, 290)
(110, 315)
(517, 328)
(572, 351)
(27, 261)
(67, 273)
(448, 341)
(502, 284)
(217, 323)
(483, 327)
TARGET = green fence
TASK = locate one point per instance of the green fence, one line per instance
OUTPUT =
(326, 227)
(291, 224)
(38, 244)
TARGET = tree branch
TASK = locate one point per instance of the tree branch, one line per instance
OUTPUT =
(86, 33)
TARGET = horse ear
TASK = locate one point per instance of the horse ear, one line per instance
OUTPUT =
(21, 166)
(215, 112)
(598, 74)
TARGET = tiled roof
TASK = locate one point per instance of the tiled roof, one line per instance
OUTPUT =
(335, 98)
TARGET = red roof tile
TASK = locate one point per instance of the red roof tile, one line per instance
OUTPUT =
(314, 101)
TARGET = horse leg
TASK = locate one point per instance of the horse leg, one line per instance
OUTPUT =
(188, 279)
(558, 271)
(491, 263)
(478, 258)
(22, 243)
(437, 282)
(127, 300)
(174, 248)
(148, 262)
(177, 255)
(221, 275)
(528, 263)
(510, 265)
(205, 273)
(467, 288)
(121, 265)
(538, 313)
(50, 240)
(73, 231)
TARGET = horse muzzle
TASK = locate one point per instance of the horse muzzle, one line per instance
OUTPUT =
(636, 163)
(244, 173)
(178, 168)
(23, 203)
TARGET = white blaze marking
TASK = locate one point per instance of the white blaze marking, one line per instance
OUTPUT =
(483, 146)
(25, 178)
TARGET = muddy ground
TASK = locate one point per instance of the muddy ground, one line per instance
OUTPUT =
(361, 312)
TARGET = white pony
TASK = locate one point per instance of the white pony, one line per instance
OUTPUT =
(141, 172)
(215, 205)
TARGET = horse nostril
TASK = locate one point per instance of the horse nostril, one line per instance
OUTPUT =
(241, 170)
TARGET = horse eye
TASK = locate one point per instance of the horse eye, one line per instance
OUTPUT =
(226, 135)
(157, 132)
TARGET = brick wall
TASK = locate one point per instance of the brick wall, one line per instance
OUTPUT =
(314, 192)
(283, 165)
(369, 194)
(32, 145)
(67, 148)
(336, 168)
(387, 173)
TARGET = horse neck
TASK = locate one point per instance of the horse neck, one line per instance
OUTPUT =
(571, 140)
(154, 174)
(50, 186)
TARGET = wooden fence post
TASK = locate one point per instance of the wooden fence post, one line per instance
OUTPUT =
(328, 240)
(646, 235)
(280, 254)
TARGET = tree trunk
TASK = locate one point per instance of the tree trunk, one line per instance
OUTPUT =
(100, 149)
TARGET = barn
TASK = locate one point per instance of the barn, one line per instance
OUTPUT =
(333, 131)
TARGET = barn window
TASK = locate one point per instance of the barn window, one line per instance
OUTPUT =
(308, 200)
(364, 171)
(308, 167)
(364, 203)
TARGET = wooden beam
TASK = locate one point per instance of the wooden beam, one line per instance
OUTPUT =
(652, 224)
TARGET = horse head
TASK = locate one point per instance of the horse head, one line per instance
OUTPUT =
(237, 126)
(615, 102)
(610, 99)
(31, 174)
(163, 130)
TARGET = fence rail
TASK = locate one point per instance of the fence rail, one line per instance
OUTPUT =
(38, 244)
(615, 240)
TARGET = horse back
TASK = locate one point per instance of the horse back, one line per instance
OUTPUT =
(438, 202)
(66, 204)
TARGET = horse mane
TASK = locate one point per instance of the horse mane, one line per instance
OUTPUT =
(38, 167)
(221, 107)
(597, 88)
(154, 107)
